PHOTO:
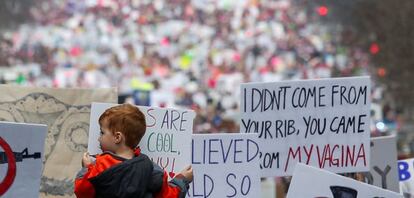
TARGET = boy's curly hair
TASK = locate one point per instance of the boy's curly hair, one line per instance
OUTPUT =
(128, 120)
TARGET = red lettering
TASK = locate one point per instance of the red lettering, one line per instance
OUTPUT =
(362, 155)
(320, 157)
(349, 155)
(334, 161)
(327, 156)
(294, 156)
(308, 154)
(342, 155)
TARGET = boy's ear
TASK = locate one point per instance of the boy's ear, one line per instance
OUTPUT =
(118, 137)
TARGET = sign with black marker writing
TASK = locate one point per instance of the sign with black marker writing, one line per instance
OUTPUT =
(323, 123)
(21, 158)
(384, 172)
(225, 165)
(167, 140)
(312, 182)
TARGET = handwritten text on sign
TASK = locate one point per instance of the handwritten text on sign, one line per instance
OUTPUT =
(384, 172)
(324, 123)
(167, 140)
(226, 165)
(406, 176)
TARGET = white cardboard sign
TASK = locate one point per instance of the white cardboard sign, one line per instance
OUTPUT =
(225, 165)
(312, 182)
(406, 174)
(22, 147)
(323, 123)
(167, 140)
(384, 171)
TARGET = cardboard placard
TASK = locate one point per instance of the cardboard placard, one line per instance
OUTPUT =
(323, 123)
(312, 182)
(167, 140)
(21, 158)
(225, 165)
(384, 171)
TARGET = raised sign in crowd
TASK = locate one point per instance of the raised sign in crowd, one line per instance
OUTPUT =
(220, 104)
(307, 129)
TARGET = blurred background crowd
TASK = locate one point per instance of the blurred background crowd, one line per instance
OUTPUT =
(188, 53)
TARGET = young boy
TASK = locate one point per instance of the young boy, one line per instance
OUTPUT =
(121, 170)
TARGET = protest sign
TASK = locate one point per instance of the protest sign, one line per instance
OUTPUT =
(406, 173)
(309, 181)
(21, 158)
(323, 123)
(167, 140)
(66, 113)
(225, 165)
(383, 172)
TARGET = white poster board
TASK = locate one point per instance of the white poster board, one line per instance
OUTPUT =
(225, 165)
(384, 171)
(66, 112)
(406, 174)
(323, 123)
(25, 144)
(167, 140)
(310, 182)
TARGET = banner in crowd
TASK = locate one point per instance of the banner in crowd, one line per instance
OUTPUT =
(406, 173)
(225, 165)
(384, 171)
(309, 181)
(21, 158)
(323, 123)
(66, 113)
(167, 140)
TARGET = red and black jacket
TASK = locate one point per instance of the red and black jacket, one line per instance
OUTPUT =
(114, 176)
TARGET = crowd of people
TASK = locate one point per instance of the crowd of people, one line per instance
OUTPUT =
(186, 53)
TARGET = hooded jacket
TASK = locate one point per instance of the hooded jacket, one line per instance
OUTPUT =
(116, 177)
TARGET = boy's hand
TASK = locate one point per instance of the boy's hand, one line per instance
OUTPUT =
(188, 173)
(86, 160)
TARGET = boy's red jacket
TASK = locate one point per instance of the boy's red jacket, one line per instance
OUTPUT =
(114, 176)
